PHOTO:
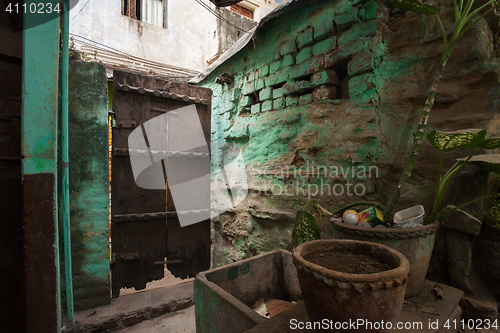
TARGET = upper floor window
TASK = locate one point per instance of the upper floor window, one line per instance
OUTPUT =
(242, 11)
(149, 11)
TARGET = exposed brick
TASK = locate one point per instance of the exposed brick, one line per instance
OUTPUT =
(235, 95)
(317, 64)
(368, 12)
(255, 109)
(265, 94)
(288, 60)
(246, 101)
(305, 38)
(287, 48)
(264, 71)
(305, 99)
(357, 31)
(277, 93)
(277, 78)
(296, 87)
(267, 106)
(360, 63)
(291, 101)
(251, 77)
(324, 28)
(245, 110)
(259, 84)
(324, 46)
(346, 20)
(248, 88)
(301, 70)
(279, 103)
(325, 93)
(304, 54)
(275, 66)
(327, 77)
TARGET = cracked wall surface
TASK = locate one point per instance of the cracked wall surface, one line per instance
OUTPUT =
(323, 105)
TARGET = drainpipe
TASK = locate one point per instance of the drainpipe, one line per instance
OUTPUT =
(65, 161)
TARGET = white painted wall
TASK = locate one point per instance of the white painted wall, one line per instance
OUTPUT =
(187, 42)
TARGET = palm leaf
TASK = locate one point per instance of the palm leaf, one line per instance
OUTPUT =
(305, 229)
(472, 217)
(488, 162)
(447, 141)
(492, 143)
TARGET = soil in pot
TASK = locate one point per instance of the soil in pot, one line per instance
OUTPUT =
(347, 262)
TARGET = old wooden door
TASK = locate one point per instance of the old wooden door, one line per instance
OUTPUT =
(144, 226)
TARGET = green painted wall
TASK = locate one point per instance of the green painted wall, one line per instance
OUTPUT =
(39, 120)
(89, 183)
(323, 104)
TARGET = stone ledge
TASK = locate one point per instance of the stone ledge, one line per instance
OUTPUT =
(133, 308)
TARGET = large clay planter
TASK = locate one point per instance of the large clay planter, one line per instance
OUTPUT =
(415, 243)
(340, 297)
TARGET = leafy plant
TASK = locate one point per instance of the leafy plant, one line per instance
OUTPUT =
(306, 228)
(466, 16)
(448, 141)
(493, 215)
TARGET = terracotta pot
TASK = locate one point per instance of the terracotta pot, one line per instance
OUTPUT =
(415, 243)
(336, 297)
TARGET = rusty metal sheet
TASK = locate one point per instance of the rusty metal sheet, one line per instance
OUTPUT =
(140, 217)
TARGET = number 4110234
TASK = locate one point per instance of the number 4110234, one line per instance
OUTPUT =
(476, 324)
(33, 8)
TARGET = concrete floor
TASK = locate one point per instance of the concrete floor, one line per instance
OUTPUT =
(176, 322)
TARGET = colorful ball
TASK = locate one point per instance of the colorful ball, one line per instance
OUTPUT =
(349, 211)
(350, 219)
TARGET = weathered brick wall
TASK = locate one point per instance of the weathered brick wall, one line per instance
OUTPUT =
(323, 105)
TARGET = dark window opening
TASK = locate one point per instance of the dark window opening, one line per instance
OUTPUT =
(132, 8)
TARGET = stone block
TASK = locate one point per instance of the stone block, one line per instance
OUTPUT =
(264, 71)
(235, 94)
(317, 64)
(303, 55)
(357, 31)
(246, 101)
(288, 60)
(267, 106)
(255, 109)
(361, 63)
(346, 20)
(279, 103)
(305, 99)
(305, 38)
(277, 78)
(296, 87)
(266, 94)
(461, 222)
(460, 269)
(325, 93)
(248, 88)
(474, 307)
(301, 70)
(275, 66)
(324, 46)
(287, 48)
(324, 28)
(251, 77)
(368, 12)
(277, 93)
(259, 84)
(291, 101)
(327, 77)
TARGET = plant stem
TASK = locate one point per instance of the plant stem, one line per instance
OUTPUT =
(417, 137)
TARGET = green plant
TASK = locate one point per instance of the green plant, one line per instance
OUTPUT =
(447, 141)
(493, 215)
(466, 16)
